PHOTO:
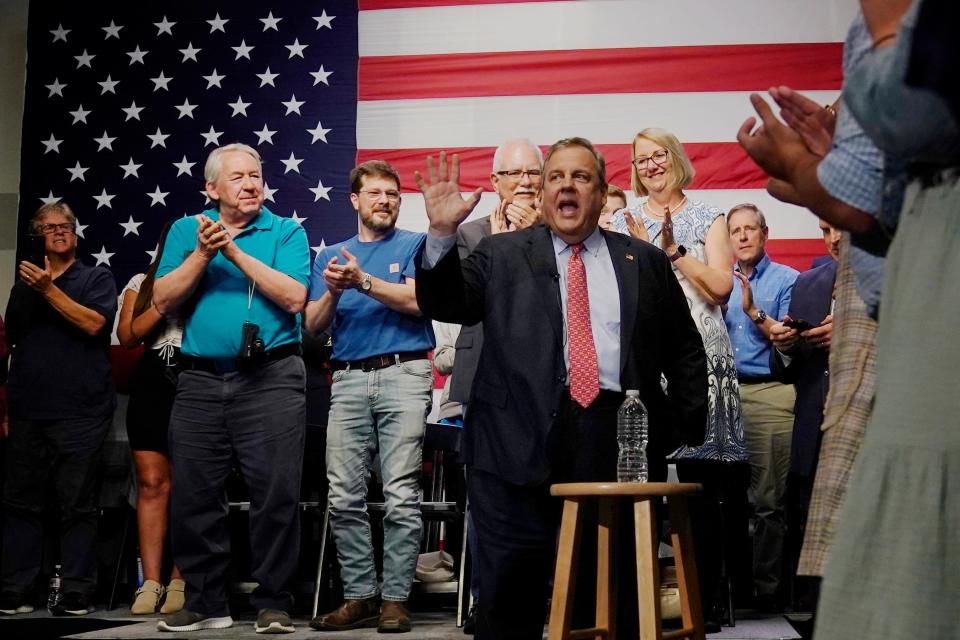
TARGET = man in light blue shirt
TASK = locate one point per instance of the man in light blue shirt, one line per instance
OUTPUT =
(757, 304)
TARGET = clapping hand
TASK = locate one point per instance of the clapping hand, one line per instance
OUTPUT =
(445, 206)
(773, 145)
(342, 276)
(667, 242)
(747, 291)
(637, 229)
(498, 221)
(211, 237)
(814, 123)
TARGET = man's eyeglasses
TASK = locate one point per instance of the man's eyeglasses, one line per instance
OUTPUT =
(376, 194)
(517, 174)
(657, 158)
(66, 227)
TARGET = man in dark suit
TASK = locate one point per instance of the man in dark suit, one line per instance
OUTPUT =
(573, 316)
(801, 357)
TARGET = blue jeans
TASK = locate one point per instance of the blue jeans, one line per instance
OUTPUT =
(381, 410)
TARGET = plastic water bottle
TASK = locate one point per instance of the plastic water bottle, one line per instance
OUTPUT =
(56, 580)
(139, 572)
(632, 430)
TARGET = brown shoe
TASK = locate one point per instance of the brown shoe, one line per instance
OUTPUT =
(394, 618)
(352, 614)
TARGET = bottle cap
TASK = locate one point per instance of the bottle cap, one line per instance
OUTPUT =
(633, 393)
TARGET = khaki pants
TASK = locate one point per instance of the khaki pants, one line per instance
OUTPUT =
(767, 410)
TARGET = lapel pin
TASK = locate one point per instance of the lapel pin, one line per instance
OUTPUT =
(630, 257)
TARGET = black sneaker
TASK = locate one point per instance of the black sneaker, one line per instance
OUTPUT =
(185, 620)
(13, 603)
(73, 604)
(273, 621)
(470, 622)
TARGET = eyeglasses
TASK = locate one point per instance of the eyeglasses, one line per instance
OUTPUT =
(376, 194)
(66, 227)
(517, 174)
(657, 158)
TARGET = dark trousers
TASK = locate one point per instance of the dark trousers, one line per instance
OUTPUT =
(69, 451)
(517, 529)
(256, 417)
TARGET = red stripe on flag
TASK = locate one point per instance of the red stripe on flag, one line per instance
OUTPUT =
(719, 165)
(754, 67)
(372, 5)
(796, 253)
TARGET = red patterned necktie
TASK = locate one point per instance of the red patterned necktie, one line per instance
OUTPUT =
(584, 376)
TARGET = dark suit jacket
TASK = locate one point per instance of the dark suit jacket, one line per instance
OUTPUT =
(809, 367)
(510, 282)
(470, 341)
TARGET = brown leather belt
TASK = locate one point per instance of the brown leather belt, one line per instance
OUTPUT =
(378, 362)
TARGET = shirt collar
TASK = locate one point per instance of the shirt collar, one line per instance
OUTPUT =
(263, 220)
(759, 269)
(592, 243)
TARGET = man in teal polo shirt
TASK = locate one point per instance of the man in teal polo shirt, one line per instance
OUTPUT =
(238, 275)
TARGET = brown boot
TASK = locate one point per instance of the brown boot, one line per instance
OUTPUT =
(394, 618)
(352, 614)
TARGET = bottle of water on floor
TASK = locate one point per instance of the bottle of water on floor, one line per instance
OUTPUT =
(632, 430)
(53, 597)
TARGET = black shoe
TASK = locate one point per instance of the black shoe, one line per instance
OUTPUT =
(470, 622)
(13, 603)
(73, 604)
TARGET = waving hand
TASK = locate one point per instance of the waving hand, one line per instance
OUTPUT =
(445, 206)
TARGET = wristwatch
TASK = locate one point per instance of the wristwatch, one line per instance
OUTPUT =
(681, 251)
(365, 283)
(761, 316)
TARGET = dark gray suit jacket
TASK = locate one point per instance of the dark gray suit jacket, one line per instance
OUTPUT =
(470, 341)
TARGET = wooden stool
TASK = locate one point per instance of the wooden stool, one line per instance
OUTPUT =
(648, 569)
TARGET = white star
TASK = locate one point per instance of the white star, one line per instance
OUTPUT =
(243, 51)
(319, 133)
(137, 55)
(133, 111)
(184, 166)
(270, 22)
(103, 200)
(158, 138)
(323, 20)
(291, 164)
(185, 109)
(212, 137)
(206, 196)
(164, 27)
(239, 107)
(161, 82)
(268, 193)
(320, 191)
(152, 253)
(83, 60)
(50, 199)
(264, 135)
(80, 115)
(130, 226)
(296, 49)
(108, 86)
(104, 142)
(267, 78)
(214, 79)
(190, 53)
(60, 33)
(113, 31)
(77, 172)
(103, 257)
(56, 89)
(80, 228)
(158, 197)
(130, 169)
(320, 247)
(217, 24)
(293, 105)
(297, 218)
(52, 145)
(321, 76)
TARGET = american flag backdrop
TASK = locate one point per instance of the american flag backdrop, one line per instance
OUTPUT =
(123, 102)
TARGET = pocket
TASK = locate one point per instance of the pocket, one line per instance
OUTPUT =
(420, 368)
(338, 375)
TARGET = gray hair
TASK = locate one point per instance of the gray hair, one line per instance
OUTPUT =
(498, 154)
(211, 170)
(749, 206)
(60, 207)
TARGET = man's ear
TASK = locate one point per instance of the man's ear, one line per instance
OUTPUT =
(211, 189)
(355, 201)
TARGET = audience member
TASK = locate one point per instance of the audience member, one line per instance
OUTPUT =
(444, 357)
(153, 386)
(238, 276)
(59, 312)
(760, 299)
(363, 290)
(547, 390)
(616, 200)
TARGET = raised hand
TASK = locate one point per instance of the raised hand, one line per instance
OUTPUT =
(747, 291)
(637, 229)
(775, 147)
(445, 206)
(667, 242)
(814, 123)
(37, 278)
(498, 221)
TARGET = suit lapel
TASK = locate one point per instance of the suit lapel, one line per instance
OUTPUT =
(625, 263)
(543, 264)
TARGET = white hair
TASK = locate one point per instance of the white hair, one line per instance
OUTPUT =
(211, 170)
(498, 154)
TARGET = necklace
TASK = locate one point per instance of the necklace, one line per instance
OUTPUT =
(673, 211)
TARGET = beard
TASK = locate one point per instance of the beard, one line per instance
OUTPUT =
(378, 224)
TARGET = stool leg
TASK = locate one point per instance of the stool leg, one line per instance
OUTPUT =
(606, 580)
(648, 568)
(561, 608)
(683, 553)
